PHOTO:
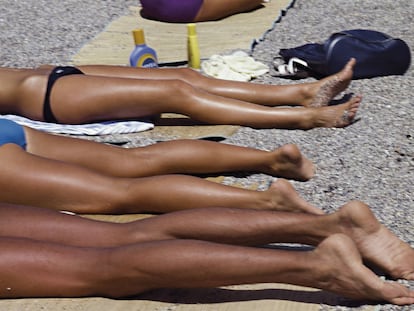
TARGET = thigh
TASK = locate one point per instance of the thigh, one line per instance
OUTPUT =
(41, 224)
(103, 158)
(186, 74)
(32, 180)
(78, 99)
(31, 268)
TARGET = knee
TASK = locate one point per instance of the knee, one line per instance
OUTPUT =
(112, 197)
(181, 86)
(194, 78)
(189, 75)
(180, 92)
(152, 161)
(109, 270)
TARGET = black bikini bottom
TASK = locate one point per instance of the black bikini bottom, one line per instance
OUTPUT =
(56, 73)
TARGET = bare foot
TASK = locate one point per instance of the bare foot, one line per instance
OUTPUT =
(339, 115)
(331, 86)
(375, 242)
(339, 269)
(285, 198)
(289, 162)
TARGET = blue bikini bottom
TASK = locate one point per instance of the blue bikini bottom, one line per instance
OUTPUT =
(12, 133)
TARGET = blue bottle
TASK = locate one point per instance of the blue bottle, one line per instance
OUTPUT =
(142, 55)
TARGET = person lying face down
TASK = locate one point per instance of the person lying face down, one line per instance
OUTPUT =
(187, 11)
(94, 93)
(71, 256)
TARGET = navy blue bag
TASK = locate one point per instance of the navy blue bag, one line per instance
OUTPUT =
(377, 54)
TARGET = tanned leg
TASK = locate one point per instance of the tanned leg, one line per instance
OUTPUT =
(313, 94)
(172, 157)
(119, 98)
(335, 264)
(33, 180)
(374, 241)
(116, 92)
(129, 270)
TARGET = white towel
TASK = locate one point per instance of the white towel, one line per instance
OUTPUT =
(102, 128)
(238, 66)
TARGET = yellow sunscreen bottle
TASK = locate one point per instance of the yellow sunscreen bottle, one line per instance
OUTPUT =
(192, 47)
(142, 55)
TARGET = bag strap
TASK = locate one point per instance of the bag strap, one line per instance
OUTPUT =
(295, 68)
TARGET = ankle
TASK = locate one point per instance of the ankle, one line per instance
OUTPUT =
(310, 119)
(308, 93)
(269, 165)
